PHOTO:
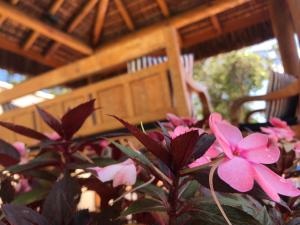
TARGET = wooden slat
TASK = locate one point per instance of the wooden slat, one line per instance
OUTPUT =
(3, 18)
(163, 7)
(216, 23)
(100, 18)
(34, 35)
(15, 48)
(75, 22)
(125, 15)
(43, 28)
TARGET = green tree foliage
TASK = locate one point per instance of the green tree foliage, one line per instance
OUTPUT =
(230, 76)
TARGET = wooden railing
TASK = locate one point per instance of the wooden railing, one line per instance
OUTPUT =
(142, 96)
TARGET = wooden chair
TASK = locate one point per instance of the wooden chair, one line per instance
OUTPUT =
(193, 87)
(282, 102)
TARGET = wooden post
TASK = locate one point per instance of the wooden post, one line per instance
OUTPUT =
(294, 6)
(177, 72)
(284, 32)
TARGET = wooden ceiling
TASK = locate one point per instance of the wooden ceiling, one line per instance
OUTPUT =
(52, 33)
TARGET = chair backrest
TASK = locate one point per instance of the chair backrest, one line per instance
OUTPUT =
(148, 61)
(283, 108)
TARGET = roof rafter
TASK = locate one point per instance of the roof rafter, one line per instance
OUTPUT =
(34, 35)
(43, 28)
(3, 18)
(99, 20)
(163, 7)
(125, 15)
(230, 26)
(74, 23)
(15, 48)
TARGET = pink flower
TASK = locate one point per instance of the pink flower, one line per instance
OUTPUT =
(175, 121)
(179, 130)
(53, 136)
(23, 185)
(21, 148)
(280, 130)
(243, 158)
(120, 173)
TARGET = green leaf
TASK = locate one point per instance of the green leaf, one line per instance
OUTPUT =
(133, 154)
(40, 161)
(143, 205)
(153, 191)
(31, 196)
(190, 189)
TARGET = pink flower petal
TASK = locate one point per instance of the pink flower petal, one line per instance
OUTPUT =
(20, 146)
(126, 176)
(238, 173)
(182, 130)
(266, 155)
(273, 184)
(276, 122)
(253, 141)
(107, 173)
(211, 153)
(228, 136)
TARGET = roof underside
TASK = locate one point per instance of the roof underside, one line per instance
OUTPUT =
(247, 24)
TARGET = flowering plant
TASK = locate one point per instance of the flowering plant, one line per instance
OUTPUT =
(171, 180)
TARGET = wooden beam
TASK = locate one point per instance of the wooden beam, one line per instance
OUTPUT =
(75, 22)
(163, 7)
(15, 48)
(133, 46)
(43, 28)
(34, 35)
(203, 12)
(229, 26)
(294, 6)
(284, 31)
(180, 93)
(83, 13)
(99, 22)
(125, 15)
(216, 23)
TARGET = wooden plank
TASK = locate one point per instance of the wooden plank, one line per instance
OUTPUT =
(131, 47)
(43, 28)
(294, 6)
(284, 31)
(216, 23)
(99, 22)
(182, 102)
(163, 7)
(75, 22)
(125, 15)
(3, 18)
(34, 35)
(15, 48)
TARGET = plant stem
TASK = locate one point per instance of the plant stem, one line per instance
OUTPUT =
(173, 200)
(213, 193)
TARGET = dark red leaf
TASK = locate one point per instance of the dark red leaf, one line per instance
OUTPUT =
(22, 215)
(153, 146)
(9, 155)
(203, 144)
(50, 120)
(182, 148)
(28, 132)
(61, 202)
(74, 118)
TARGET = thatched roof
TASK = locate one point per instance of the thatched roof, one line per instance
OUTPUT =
(246, 24)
